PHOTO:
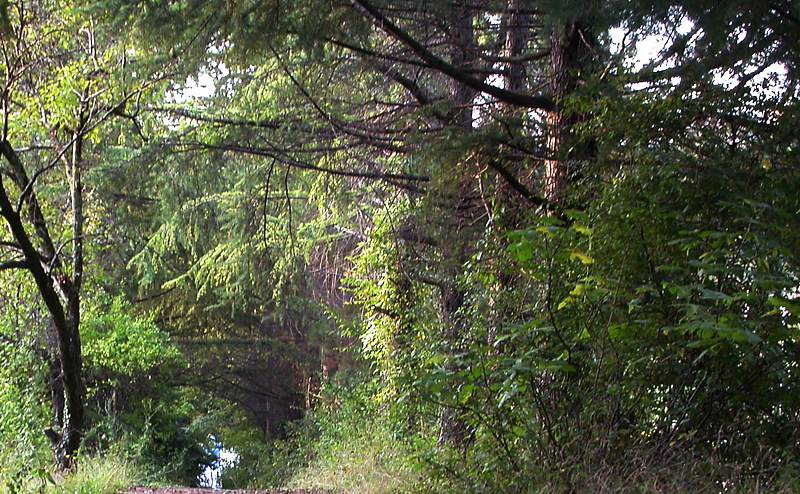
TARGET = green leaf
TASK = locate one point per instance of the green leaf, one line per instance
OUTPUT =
(583, 230)
(558, 366)
(792, 306)
(465, 393)
(580, 256)
(712, 295)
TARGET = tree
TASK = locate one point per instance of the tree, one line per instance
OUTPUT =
(413, 85)
(498, 134)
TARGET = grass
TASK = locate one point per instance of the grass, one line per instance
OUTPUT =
(93, 475)
(102, 475)
(371, 462)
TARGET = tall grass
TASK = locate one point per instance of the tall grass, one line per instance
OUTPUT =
(92, 475)
(100, 475)
(362, 457)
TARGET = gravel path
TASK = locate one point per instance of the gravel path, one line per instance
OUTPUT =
(186, 490)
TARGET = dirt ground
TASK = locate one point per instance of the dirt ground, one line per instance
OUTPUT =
(186, 490)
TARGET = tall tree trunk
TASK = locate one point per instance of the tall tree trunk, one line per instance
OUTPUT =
(62, 299)
(71, 432)
(451, 428)
(509, 206)
(570, 54)
(516, 38)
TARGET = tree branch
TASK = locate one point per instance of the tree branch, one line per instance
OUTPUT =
(236, 148)
(437, 63)
(517, 185)
(13, 264)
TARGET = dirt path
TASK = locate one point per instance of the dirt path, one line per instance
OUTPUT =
(186, 490)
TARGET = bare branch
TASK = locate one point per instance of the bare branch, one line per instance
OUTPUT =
(13, 264)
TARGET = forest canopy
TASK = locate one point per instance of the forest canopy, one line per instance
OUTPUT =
(442, 246)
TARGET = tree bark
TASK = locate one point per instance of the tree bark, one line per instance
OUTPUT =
(570, 54)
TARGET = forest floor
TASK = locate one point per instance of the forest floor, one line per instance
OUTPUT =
(187, 490)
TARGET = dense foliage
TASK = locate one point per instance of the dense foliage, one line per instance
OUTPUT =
(392, 246)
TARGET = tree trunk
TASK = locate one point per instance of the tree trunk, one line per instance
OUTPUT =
(55, 384)
(71, 362)
(451, 428)
(570, 54)
(61, 297)
(517, 27)
(71, 433)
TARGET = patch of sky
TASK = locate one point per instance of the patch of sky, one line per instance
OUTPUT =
(224, 458)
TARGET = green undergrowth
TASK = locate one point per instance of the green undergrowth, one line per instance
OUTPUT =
(92, 475)
(366, 457)
(100, 475)
(353, 443)
(350, 443)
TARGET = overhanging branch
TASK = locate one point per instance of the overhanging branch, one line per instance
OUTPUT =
(286, 160)
(515, 184)
(437, 63)
(13, 264)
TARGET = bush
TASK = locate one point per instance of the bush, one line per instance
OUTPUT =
(350, 443)
(24, 451)
(133, 408)
(267, 465)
